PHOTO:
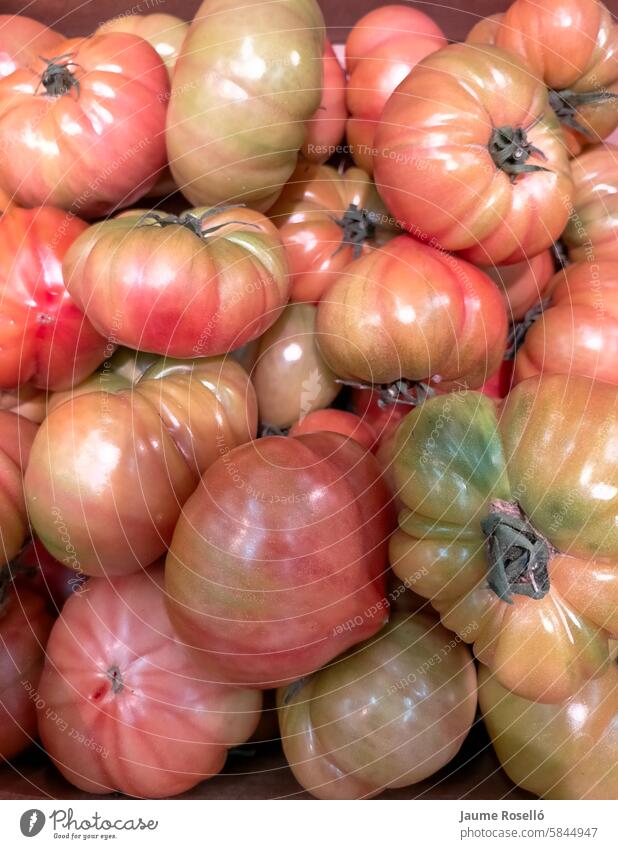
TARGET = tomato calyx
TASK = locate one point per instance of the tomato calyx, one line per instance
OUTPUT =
(190, 221)
(402, 391)
(272, 430)
(518, 555)
(115, 676)
(510, 150)
(359, 226)
(58, 79)
(519, 329)
(567, 102)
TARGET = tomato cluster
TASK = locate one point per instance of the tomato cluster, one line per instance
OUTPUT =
(379, 346)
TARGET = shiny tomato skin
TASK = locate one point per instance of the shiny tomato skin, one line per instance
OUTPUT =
(112, 467)
(25, 624)
(371, 720)
(411, 311)
(309, 215)
(337, 421)
(26, 401)
(485, 30)
(326, 128)
(45, 338)
(563, 751)
(437, 148)
(93, 148)
(173, 292)
(256, 72)
(16, 438)
(165, 33)
(578, 331)
(290, 376)
(591, 231)
(23, 39)
(523, 284)
(391, 43)
(501, 381)
(292, 532)
(126, 709)
(547, 452)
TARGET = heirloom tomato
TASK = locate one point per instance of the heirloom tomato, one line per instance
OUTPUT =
(83, 129)
(25, 624)
(290, 377)
(577, 333)
(337, 421)
(280, 548)
(45, 338)
(246, 82)
(572, 46)
(409, 311)
(390, 41)
(126, 709)
(22, 40)
(592, 231)
(16, 438)
(376, 413)
(484, 30)
(110, 469)
(523, 284)
(194, 285)
(165, 33)
(26, 401)
(509, 527)
(326, 219)
(562, 751)
(327, 127)
(480, 165)
(386, 714)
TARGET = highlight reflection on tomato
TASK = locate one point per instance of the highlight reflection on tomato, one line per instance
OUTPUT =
(591, 231)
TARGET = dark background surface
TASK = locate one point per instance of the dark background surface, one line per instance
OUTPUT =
(260, 772)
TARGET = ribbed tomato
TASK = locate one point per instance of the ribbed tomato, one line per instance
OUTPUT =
(381, 50)
(509, 527)
(389, 713)
(165, 33)
(112, 466)
(592, 231)
(16, 438)
(478, 166)
(25, 624)
(247, 80)
(409, 311)
(83, 129)
(578, 331)
(524, 284)
(282, 543)
(125, 708)
(194, 285)
(23, 39)
(563, 751)
(327, 126)
(326, 219)
(45, 338)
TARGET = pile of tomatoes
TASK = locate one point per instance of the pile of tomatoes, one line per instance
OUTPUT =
(341, 423)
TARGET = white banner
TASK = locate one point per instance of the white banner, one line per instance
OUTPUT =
(176, 824)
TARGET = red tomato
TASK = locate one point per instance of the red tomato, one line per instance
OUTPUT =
(563, 751)
(112, 466)
(25, 624)
(389, 713)
(572, 45)
(292, 533)
(23, 39)
(83, 129)
(578, 332)
(26, 401)
(327, 127)
(247, 81)
(16, 438)
(165, 33)
(337, 421)
(125, 707)
(591, 233)
(524, 283)
(480, 165)
(413, 312)
(193, 285)
(500, 382)
(381, 417)
(325, 220)
(390, 40)
(485, 30)
(45, 337)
